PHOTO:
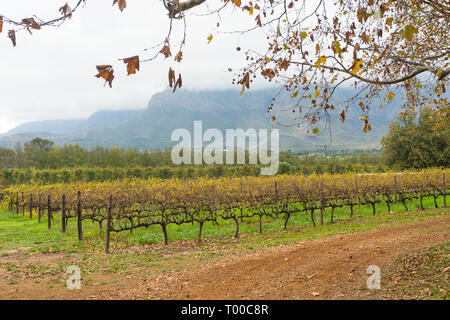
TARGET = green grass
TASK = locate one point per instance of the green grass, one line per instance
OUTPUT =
(144, 251)
(422, 274)
(22, 232)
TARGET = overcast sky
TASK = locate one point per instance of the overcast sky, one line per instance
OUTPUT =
(50, 75)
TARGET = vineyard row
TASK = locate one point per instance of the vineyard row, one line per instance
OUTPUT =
(130, 204)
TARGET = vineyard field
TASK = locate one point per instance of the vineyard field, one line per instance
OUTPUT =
(205, 204)
(21, 232)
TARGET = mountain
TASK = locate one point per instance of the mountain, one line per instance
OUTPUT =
(101, 118)
(49, 126)
(222, 109)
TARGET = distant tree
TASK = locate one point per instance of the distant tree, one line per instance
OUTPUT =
(36, 153)
(18, 150)
(42, 144)
(417, 141)
(7, 157)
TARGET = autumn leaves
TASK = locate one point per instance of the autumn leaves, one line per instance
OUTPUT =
(11, 33)
(31, 24)
(121, 3)
(106, 72)
(172, 83)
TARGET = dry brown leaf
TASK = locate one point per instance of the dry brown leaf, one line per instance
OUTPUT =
(237, 3)
(106, 72)
(30, 22)
(66, 10)
(342, 116)
(178, 84)
(258, 21)
(1, 24)
(122, 4)
(12, 36)
(178, 56)
(132, 64)
(166, 51)
(171, 77)
(269, 73)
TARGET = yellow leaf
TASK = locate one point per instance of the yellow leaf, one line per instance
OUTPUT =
(317, 93)
(356, 66)
(409, 32)
(321, 61)
(209, 38)
(389, 21)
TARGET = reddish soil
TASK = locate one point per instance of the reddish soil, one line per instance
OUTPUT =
(328, 268)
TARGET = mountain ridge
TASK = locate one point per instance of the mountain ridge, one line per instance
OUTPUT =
(99, 118)
(151, 128)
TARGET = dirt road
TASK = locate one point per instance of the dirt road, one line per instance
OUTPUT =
(328, 268)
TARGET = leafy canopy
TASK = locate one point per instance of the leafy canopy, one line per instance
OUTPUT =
(312, 48)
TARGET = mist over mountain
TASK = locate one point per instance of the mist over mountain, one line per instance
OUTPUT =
(100, 118)
(222, 109)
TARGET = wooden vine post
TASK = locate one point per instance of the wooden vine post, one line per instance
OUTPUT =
(31, 206)
(276, 197)
(23, 204)
(108, 224)
(321, 203)
(17, 203)
(63, 213)
(39, 208)
(242, 189)
(395, 189)
(49, 212)
(444, 189)
(355, 195)
(79, 221)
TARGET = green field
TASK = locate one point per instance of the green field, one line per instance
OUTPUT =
(24, 242)
(18, 231)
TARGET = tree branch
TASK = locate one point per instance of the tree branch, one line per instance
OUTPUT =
(411, 75)
(175, 6)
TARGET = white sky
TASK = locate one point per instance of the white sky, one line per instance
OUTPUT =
(50, 75)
